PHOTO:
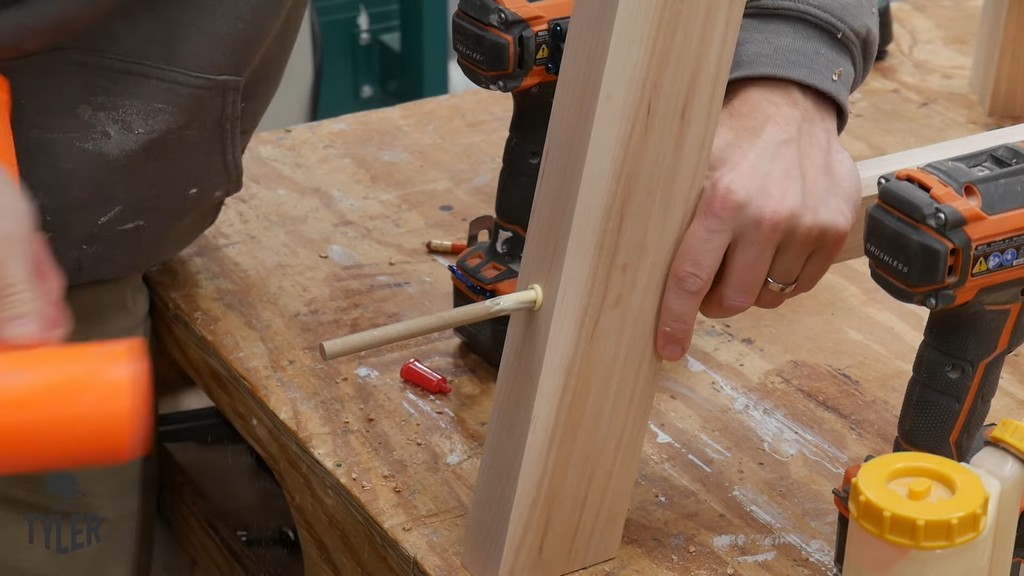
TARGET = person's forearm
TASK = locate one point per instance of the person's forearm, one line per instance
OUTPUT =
(827, 45)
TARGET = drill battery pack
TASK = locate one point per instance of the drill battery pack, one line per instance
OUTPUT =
(485, 339)
(486, 269)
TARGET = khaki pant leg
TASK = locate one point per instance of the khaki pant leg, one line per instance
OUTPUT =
(85, 522)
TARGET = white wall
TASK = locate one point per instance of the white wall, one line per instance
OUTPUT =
(293, 102)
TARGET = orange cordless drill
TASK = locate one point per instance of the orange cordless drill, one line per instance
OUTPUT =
(949, 236)
(511, 46)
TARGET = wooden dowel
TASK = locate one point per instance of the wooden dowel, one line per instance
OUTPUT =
(491, 308)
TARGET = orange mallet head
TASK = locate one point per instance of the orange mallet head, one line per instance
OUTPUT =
(75, 406)
(8, 159)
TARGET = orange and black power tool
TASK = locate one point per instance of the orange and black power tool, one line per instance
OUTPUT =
(949, 236)
(512, 46)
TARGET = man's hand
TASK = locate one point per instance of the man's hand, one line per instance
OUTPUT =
(780, 198)
(32, 286)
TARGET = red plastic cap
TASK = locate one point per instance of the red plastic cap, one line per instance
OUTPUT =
(417, 373)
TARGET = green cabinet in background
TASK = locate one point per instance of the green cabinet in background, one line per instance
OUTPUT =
(375, 53)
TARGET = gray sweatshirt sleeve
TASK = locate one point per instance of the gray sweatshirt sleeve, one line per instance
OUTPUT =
(827, 45)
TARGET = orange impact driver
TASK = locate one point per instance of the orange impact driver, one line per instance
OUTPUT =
(510, 46)
(70, 406)
(949, 236)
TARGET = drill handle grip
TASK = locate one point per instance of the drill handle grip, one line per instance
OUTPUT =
(524, 147)
(955, 376)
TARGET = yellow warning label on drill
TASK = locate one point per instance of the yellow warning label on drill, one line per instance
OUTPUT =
(997, 256)
(542, 53)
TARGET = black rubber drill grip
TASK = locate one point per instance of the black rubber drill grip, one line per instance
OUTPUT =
(955, 376)
(520, 166)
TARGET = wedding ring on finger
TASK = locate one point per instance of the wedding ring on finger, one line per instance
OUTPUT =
(780, 287)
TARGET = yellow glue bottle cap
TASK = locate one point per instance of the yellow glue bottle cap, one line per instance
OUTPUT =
(1009, 434)
(919, 500)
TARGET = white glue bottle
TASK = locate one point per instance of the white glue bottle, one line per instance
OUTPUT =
(1003, 459)
(914, 513)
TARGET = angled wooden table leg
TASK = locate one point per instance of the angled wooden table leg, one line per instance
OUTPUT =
(624, 164)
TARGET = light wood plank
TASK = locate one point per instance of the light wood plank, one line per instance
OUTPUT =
(624, 164)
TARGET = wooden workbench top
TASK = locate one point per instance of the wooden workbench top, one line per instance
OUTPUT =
(747, 437)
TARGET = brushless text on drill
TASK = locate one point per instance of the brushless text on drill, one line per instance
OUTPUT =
(898, 265)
